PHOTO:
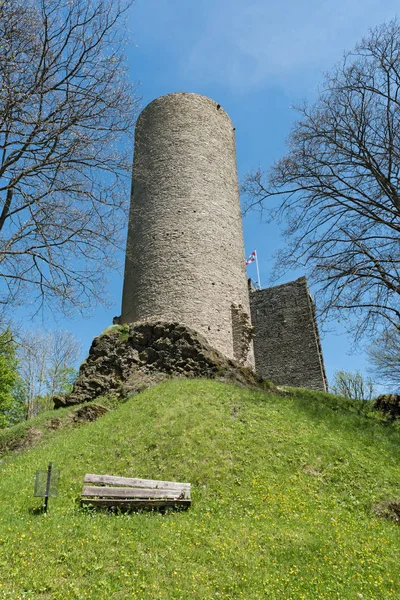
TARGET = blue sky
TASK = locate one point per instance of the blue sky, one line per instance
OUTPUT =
(257, 59)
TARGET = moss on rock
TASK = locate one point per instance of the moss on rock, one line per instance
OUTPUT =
(126, 359)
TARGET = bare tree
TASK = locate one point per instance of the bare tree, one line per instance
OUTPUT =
(46, 359)
(66, 112)
(352, 385)
(337, 189)
(384, 355)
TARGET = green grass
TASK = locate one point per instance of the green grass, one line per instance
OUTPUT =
(283, 491)
(16, 436)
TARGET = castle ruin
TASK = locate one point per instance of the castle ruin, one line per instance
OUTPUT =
(185, 259)
(287, 347)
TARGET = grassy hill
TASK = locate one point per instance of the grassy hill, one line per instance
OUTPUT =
(283, 495)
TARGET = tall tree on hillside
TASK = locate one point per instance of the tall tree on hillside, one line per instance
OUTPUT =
(46, 361)
(12, 407)
(66, 119)
(384, 355)
(352, 385)
(337, 190)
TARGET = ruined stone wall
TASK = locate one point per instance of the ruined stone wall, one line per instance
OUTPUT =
(286, 344)
(185, 254)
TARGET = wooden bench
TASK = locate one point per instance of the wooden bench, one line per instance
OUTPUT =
(108, 491)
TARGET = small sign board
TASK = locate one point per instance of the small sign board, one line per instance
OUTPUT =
(46, 484)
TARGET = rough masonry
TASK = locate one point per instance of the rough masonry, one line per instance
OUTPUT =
(126, 359)
(186, 301)
(185, 253)
(286, 344)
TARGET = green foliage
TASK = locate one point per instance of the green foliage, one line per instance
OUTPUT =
(122, 329)
(45, 360)
(11, 391)
(20, 435)
(124, 332)
(283, 494)
(42, 403)
(352, 385)
(18, 410)
(65, 379)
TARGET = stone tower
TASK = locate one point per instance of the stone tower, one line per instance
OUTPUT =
(287, 346)
(185, 254)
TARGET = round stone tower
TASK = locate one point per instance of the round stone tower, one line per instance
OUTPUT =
(185, 257)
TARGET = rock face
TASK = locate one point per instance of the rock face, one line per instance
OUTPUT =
(389, 404)
(389, 509)
(127, 359)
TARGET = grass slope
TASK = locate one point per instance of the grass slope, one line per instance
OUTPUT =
(283, 489)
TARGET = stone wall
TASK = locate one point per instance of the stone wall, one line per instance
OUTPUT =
(242, 333)
(286, 344)
(185, 254)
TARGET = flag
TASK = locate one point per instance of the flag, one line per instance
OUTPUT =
(251, 258)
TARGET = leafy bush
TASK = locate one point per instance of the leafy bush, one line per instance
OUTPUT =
(11, 397)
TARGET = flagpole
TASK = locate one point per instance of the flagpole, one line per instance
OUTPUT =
(258, 271)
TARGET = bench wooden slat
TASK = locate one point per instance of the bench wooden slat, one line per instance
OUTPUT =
(133, 482)
(137, 503)
(135, 493)
(116, 492)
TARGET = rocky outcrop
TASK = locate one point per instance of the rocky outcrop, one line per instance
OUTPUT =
(89, 412)
(389, 404)
(127, 359)
(389, 509)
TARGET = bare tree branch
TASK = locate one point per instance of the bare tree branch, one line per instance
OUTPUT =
(384, 355)
(352, 385)
(45, 358)
(67, 112)
(337, 190)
